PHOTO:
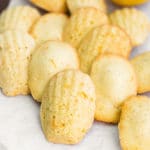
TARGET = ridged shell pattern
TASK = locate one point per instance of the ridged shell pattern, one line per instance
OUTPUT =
(68, 107)
(49, 59)
(134, 22)
(19, 17)
(103, 39)
(81, 22)
(75, 4)
(15, 50)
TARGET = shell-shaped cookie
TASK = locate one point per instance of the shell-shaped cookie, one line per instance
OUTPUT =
(15, 51)
(129, 2)
(81, 22)
(75, 4)
(49, 27)
(134, 22)
(19, 17)
(141, 64)
(134, 126)
(115, 81)
(51, 5)
(68, 107)
(48, 59)
(103, 39)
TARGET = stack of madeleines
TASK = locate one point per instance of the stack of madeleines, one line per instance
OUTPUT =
(78, 67)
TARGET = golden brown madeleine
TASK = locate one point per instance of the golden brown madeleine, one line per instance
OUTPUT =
(81, 22)
(134, 126)
(19, 18)
(134, 22)
(68, 107)
(75, 4)
(49, 27)
(115, 81)
(48, 59)
(100, 40)
(129, 2)
(51, 5)
(15, 51)
(141, 64)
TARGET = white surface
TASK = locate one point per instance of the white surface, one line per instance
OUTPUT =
(20, 124)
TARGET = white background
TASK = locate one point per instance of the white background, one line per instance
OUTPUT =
(20, 124)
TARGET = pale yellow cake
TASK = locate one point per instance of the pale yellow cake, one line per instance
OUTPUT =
(141, 64)
(134, 125)
(19, 17)
(49, 27)
(15, 51)
(81, 22)
(134, 22)
(100, 40)
(115, 81)
(73, 5)
(68, 107)
(51, 5)
(48, 59)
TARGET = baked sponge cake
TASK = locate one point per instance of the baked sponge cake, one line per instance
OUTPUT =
(48, 59)
(134, 22)
(51, 5)
(49, 27)
(115, 81)
(81, 22)
(101, 40)
(15, 51)
(73, 5)
(134, 126)
(18, 18)
(68, 107)
(141, 64)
